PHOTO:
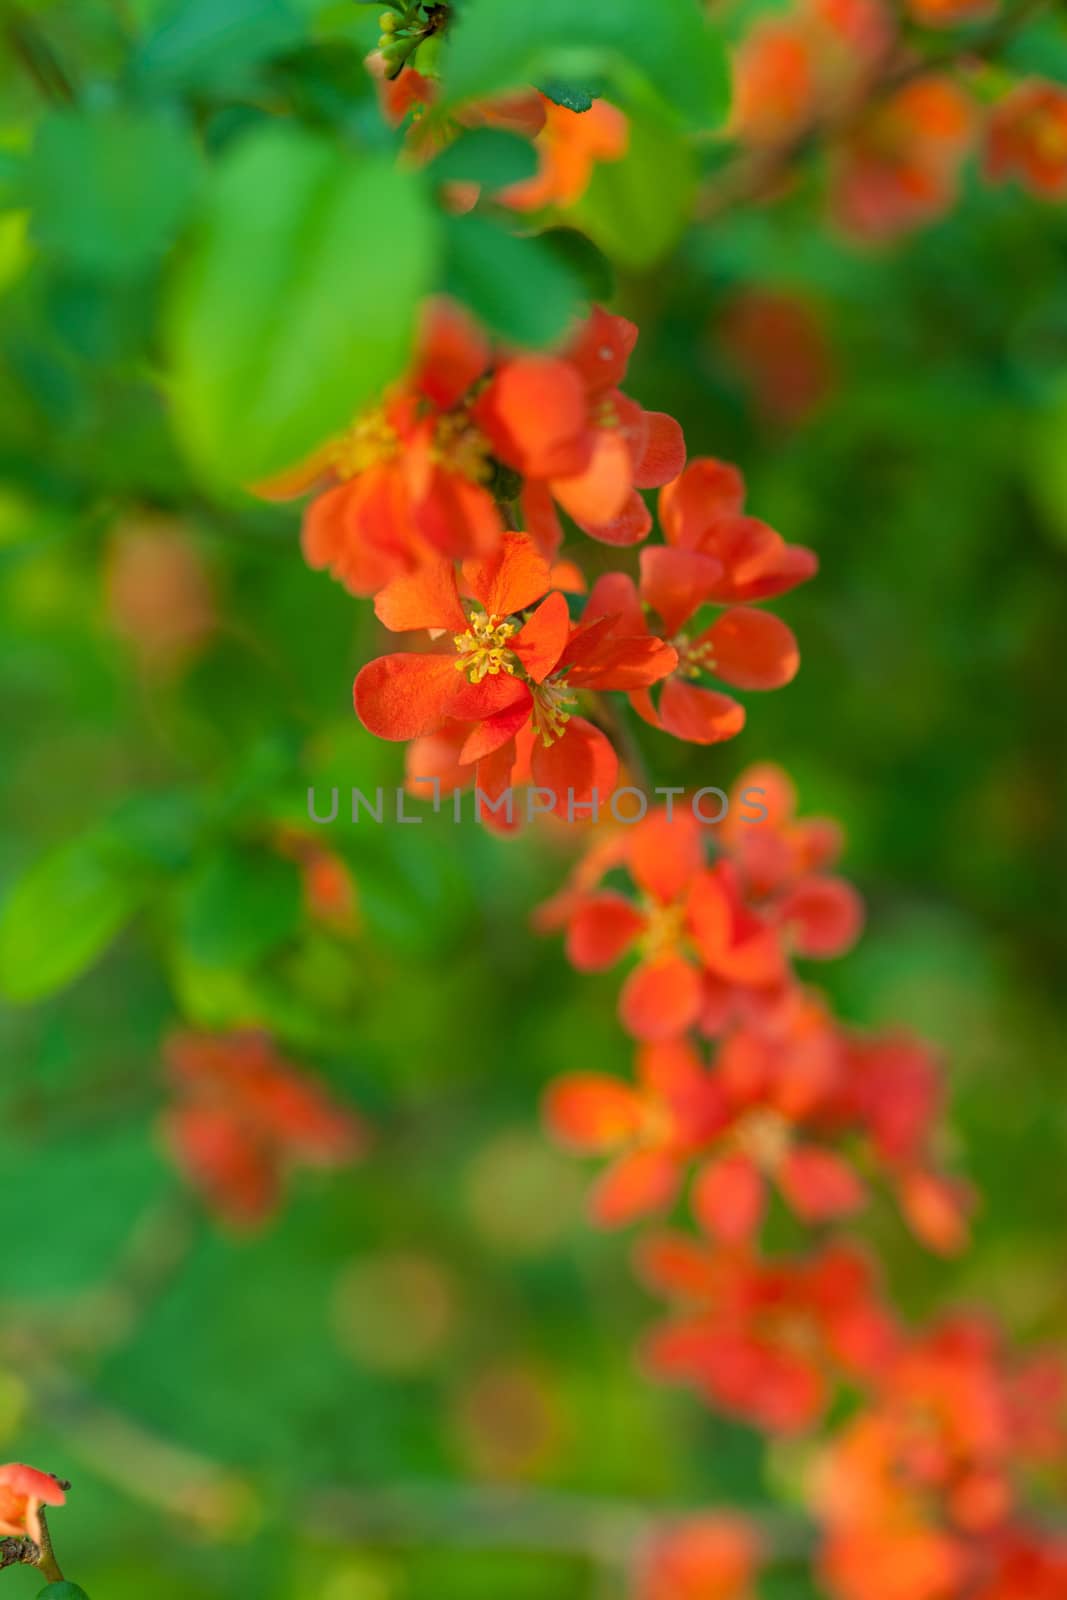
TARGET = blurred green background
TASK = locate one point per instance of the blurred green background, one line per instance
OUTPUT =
(175, 678)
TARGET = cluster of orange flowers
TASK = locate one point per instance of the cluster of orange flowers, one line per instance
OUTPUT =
(898, 134)
(791, 1114)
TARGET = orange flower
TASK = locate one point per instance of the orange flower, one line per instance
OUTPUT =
(779, 347)
(508, 674)
(710, 1557)
(810, 63)
(899, 167)
(745, 648)
(764, 1340)
(23, 1491)
(243, 1117)
(563, 423)
(569, 145)
(657, 1126)
(1027, 138)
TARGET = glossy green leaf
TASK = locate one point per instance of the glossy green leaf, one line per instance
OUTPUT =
(487, 156)
(635, 209)
(519, 287)
(109, 190)
(672, 48)
(298, 303)
(211, 42)
(63, 1591)
(61, 915)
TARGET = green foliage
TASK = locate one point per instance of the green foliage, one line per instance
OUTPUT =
(486, 156)
(61, 915)
(672, 50)
(298, 301)
(636, 209)
(241, 904)
(62, 1591)
(522, 289)
(213, 43)
(109, 189)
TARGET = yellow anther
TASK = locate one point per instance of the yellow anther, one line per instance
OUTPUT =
(693, 659)
(370, 440)
(553, 707)
(765, 1137)
(664, 926)
(483, 650)
(460, 446)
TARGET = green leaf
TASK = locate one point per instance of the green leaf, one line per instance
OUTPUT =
(109, 189)
(635, 209)
(670, 48)
(214, 42)
(519, 287)
(239, 907)
(298, 304)
(584, 259)
(488, 156)
(568, 95)
(61, 915)
(62, 1591)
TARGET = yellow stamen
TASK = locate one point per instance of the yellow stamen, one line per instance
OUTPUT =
(483, 649)
(460, 446)
(664, 927)
(370, 440)
(765, 1137)
(553, 707)
(693, 659)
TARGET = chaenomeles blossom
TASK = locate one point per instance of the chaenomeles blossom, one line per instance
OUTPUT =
(512, 669)
(917, 1494)
(783, 863)
(1026, 138)
(416, 474)
(569, 146)
(23, 1491)
(777, 343)
(243, 1117)
(766, 1341)
(898, 167)
(690, 928)
(710, 1557)
(771, 1092)
(805, 64)
(653, 1129)
(562, 422)
(718, 555)
(892, 1093)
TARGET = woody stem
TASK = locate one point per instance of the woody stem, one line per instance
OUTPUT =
(47, 1558)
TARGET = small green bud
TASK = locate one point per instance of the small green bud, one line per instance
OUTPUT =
(387, 22)
(63, 1591)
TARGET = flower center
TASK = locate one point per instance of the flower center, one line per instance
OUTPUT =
(483, 649)
(552, 710)
(663, 929)
(370, 439)
(693, 659)
(764, 1136)
(461, 447)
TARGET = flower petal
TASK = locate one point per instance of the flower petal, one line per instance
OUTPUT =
(540, 642)
(727, 1199)
(824, 916)
(510, 579)
(819, 1185)
(579, 766)
(635, 1186)
(660, 999)
(700, 716)
(592, 1112)
(602, 929)
(675, 583)
(664, 852)
(663, 456)
(753, 649)
(425, 598)
(403, 696)
(535, 412)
